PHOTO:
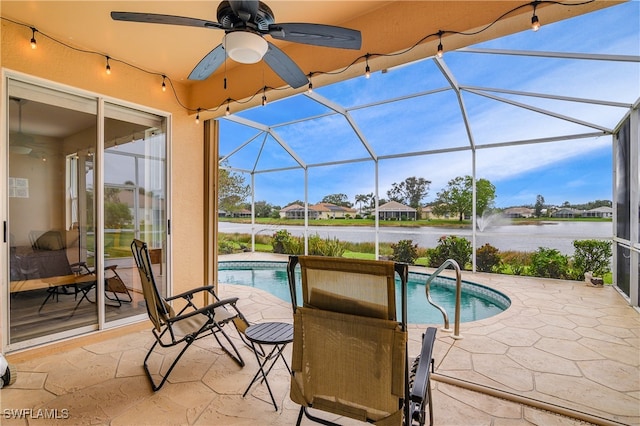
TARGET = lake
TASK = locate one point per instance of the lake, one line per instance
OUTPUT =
(557, 235)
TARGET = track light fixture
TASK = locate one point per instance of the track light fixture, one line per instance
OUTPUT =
(310, 86)
(535, 23)
(164, 86)
(108, 68)
(198, 116)
(264, 96)
(34, 44)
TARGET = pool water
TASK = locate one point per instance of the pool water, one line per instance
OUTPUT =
(477, 301)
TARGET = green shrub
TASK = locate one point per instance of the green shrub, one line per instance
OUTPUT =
(549, 263)
(591, 255)
(283, 242)
(451, 247)
(487, 258)
(514, 262)
(279, 239)
(326, 247)
(294, 245)
(225, 246)
(405, 251)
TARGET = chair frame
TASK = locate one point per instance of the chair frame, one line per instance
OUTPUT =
(111, 269)
(81, 270)
(416, 382)
(165, 321)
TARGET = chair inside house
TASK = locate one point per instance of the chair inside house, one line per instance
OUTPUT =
(44, 265)
(349, 355)
(189, 323)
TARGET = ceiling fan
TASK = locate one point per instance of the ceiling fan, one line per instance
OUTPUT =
(245, 23)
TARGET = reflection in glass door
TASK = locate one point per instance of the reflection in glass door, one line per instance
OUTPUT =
(77, 194)
(135, 189)
(52, 139)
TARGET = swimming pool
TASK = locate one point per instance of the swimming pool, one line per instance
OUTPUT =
(477, 302)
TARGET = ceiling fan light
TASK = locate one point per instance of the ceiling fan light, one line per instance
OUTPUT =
(245, 47)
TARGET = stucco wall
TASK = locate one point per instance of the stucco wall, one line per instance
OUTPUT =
(61, 65)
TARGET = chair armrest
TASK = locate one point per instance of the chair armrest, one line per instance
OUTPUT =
(204, 310)
(79, 266)
(189, 293)
(421, 381)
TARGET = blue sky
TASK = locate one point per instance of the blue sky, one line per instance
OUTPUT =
(576, 171)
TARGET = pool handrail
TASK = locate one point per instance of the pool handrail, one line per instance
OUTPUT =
(449, 262)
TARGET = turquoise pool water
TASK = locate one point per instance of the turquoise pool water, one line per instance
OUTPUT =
(477, 302)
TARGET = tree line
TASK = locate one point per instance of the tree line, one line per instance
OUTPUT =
(454, 200)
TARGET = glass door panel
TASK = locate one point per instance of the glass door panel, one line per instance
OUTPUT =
(135, 188)
(52, 139)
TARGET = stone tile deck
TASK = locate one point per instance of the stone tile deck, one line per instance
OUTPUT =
(562, 347)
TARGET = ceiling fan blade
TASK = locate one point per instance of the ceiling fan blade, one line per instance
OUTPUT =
(154, 18)
(285, 67)
(208, 64)
(245, 9)
(317, 35)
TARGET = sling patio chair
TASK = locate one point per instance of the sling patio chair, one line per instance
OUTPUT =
(349, 354)
(114, 286)
(190, 323)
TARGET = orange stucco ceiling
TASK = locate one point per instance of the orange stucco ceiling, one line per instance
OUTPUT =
(386, 26)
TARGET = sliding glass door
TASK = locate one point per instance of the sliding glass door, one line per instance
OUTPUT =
(85, 176)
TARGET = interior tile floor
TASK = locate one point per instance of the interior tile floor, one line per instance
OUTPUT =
(563, 354)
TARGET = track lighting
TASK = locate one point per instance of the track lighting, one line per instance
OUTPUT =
(108, 68)
(227, 112)
(310, 86)
(535, 23)
(34, 44)
(198, 117)
(264, 96)
(164, 86)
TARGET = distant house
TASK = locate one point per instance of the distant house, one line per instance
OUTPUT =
(396, 211)
(242, 213)
(293, 211)
(567, 213)
(317, 211)
(239, 213)
(518, 212)
(606, 212)
(426, 213)
(331, 211)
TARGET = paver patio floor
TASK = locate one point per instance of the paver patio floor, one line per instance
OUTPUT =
(562, 347)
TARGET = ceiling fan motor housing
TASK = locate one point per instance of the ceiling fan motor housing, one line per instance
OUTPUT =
(230, 20)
